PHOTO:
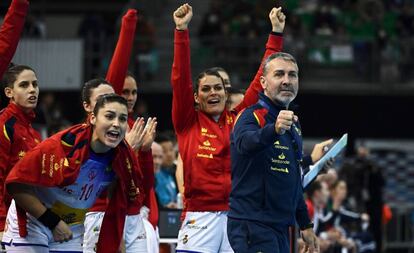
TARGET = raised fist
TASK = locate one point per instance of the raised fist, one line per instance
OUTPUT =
(182, 16)
(277, 18)
(284, 121)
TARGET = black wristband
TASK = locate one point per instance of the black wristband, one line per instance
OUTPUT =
(277, 33)
(310, 225)
(49, 219)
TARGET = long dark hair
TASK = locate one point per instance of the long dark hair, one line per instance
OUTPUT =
(106, 99)
(207, 72)
(89, 86)
(11, 74)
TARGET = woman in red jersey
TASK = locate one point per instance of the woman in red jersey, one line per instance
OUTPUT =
(17, 135)
(59, 180)
(203, 135)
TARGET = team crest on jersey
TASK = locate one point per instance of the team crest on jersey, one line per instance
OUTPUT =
(65, 162)
(185, 239)
(229, 120)
(21, 154)
(191, 222)
(92, 175)
(142, 236)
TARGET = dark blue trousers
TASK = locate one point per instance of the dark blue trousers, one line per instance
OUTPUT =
(254, 237)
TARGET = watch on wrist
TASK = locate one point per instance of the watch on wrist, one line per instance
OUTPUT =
(310, 225)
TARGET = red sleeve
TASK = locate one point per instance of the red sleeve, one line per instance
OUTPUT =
(183, 112)
(311, 211)
(4, 160)
(120, 60)
(10, 32)
(42, 166)
(146, 164)
(5, 147)
(274, 44)
(151, 202)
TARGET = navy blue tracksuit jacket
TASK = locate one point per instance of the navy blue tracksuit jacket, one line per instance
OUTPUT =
(266, 169)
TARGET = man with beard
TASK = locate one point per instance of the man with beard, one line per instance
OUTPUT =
(266, 154)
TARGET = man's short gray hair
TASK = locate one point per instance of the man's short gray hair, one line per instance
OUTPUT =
(282, 55)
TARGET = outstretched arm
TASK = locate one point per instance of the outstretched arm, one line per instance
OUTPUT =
(252, 135)
(120, 60)
(10, 32)
(183, 112)
(274, 44)
(26, 199)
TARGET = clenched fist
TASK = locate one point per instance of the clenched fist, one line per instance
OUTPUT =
(277, 18)
(284, 121)
(182, 16)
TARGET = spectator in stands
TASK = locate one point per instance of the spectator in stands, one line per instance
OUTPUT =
(317, 198)
(373, 188)
(326, 19)
(344, 220)
(167, 144)
(339, 193)
(366, 184)
(165, 186)
(330, 177)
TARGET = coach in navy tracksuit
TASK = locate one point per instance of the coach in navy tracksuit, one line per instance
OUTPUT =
(266, 154)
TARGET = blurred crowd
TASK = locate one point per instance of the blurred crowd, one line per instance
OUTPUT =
(347, 206)
(376, 35)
